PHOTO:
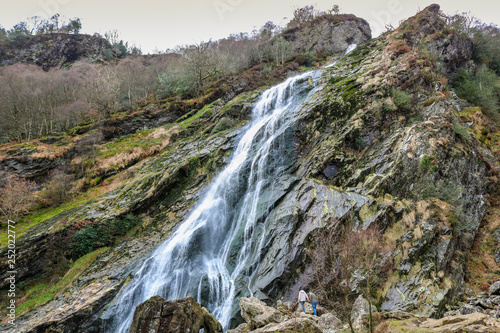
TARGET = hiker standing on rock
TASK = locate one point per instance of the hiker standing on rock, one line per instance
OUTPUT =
(314, 301)
(303, 298)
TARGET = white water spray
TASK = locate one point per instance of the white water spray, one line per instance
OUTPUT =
(209, 255)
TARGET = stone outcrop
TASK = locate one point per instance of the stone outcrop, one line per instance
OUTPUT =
(360, 309)
(156, 315)
(485, 303)
(395, 321)
(261, 318)
(257, 314)
(329, 34)
(55, 50)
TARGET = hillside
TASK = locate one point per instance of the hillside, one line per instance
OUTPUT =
(392, 139)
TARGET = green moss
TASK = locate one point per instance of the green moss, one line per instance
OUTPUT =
(127, 143)
(222, 125)
(34, 219)
(95, 181)
(426, 163)
(205, 112)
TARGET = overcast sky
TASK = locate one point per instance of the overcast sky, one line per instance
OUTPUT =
(162, 24)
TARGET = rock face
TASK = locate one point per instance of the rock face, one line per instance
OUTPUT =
(54, 50)
(156, 315)
(257, 314)
(362, 156)
(261, 318)
(486, 303)
(331, 34)
(360, 309)
(406, 322)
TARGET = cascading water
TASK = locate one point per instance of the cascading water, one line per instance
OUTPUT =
(209, 255)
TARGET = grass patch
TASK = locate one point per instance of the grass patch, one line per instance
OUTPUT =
(132, 148)
(42, 293)
(206, 111)
(461, 131)
(32, 220)
(426, 163)
(127, 143)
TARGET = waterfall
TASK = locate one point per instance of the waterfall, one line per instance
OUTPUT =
(209, 256)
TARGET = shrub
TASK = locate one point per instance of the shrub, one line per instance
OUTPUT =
(194, 164)
(86, 241)
(480, 88)
(266, 71)
(426, 163)
(401, 99)
(175, 83)
(306, 59)
(445, 191)
(461, 131)
(487, 46)
(223, 124)
(17, 197)
(359, 143)
(57, 190)
(102, 234)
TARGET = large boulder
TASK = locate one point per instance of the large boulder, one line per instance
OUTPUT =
(257, 314)
(261, 318)
(157, 315)
(328, 322)
(304, 323)
(495, 288)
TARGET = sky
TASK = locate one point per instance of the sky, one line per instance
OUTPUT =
(157, 25)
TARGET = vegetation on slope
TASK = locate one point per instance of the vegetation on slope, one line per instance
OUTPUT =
(99, 155)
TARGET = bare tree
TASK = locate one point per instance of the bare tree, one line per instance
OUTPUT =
(17, 197)
(340, 255)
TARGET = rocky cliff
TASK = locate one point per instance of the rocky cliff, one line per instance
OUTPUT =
(382, 142)
(328, 34)
(56, 50)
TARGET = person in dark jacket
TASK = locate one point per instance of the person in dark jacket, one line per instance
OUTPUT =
(314, 301)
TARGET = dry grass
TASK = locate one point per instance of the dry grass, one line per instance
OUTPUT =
(409, 219)
(130, 154)
(423, 209)
(40, 150)
(49, 152)
(481, 266)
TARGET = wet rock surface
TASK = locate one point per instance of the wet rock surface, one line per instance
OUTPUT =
(156, 315)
